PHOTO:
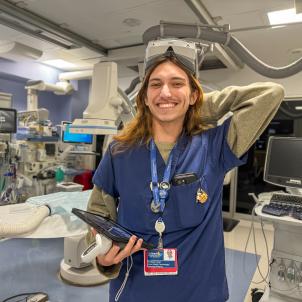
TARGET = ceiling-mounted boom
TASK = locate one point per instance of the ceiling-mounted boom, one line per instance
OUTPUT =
(205, 33)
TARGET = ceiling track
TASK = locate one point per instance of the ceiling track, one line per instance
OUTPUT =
(30, 32)
(225, 55)
(264, 27)
(44, 25)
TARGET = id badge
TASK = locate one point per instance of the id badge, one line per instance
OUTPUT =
(160, 262)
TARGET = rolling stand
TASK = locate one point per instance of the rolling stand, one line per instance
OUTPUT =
(286, 259)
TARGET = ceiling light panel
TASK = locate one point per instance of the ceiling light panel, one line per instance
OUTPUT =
(284, 16)
(61, 64)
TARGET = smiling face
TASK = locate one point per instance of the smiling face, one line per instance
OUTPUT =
(169, 94)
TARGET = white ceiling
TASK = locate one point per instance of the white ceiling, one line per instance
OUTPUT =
(103, 21)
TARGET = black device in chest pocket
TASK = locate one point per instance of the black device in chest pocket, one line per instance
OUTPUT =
(189, 211)
(184, 179)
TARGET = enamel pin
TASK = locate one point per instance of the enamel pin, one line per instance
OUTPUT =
(201, 196)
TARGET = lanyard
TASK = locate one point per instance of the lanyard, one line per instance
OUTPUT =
(160, 190)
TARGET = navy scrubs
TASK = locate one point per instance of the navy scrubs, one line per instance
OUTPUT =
(195, 229)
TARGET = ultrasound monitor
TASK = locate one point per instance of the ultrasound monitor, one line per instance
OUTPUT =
(283, 163)
(68, 137)
(8, 120)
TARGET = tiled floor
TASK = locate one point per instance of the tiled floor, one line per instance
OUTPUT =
(237, 240)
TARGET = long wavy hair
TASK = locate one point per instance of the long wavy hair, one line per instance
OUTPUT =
(139, 130)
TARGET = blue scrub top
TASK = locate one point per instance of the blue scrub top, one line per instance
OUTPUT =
(195, 229)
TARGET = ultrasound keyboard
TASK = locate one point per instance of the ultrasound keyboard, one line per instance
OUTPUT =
(284, 205)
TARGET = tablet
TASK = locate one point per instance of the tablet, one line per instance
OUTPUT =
(108, 227)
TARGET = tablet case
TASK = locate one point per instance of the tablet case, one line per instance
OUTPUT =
(108, 227)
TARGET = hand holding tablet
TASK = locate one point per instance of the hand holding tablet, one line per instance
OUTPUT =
(111, 232)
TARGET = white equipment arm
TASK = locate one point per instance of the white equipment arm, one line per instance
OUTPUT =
(63, 87)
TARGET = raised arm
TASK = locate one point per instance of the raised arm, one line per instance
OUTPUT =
(253, 107)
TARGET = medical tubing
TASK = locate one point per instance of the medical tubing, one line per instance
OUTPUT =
(252, 232)
(28, 295)
(266, 70)
(183, 31)
(10, 230)
(266, 246)
(132, 86)
(290, 114)
(127, 105)
(256, 253)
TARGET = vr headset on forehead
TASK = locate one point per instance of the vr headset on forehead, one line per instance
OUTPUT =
(188, 54)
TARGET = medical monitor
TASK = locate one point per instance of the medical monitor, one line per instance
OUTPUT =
(283, 162)
(68, 137)
(8, 120)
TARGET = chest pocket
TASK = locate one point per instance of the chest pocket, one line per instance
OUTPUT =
(191, 202)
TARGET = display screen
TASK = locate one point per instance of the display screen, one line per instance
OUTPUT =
(8, 120)
(284, 161)
(68, 137)
(101, 224)
(116, 231)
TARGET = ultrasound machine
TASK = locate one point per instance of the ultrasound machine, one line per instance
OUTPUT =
(283, 167)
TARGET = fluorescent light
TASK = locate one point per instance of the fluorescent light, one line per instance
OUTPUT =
(298, 107)
(284, 16)
(278, 26)
(59, 63)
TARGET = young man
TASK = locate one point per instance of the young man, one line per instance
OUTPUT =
(165, 174)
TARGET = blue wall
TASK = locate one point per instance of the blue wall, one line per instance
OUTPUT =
(29, 70)
(61, 107)
(16, 88)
